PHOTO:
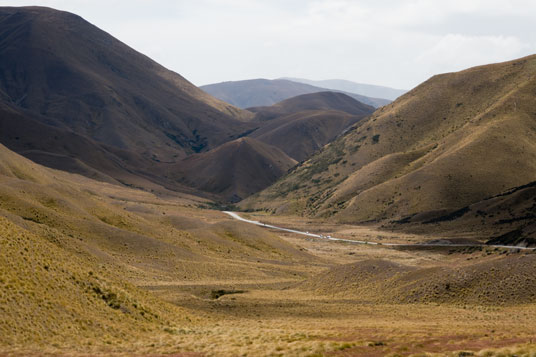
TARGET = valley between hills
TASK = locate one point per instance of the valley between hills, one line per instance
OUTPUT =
(115, 175)
(91, 267)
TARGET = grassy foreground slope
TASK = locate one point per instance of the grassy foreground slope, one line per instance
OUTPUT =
(92, 268)
(48, 295)
(454, 140)
(75, 253)
(56, 288)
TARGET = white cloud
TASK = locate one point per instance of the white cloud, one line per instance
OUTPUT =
(456, 51)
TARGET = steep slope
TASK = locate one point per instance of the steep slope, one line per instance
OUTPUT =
(48, 294)
(265, 92)
(55, 284)
(368, 90)
(509, 218)
(303, 133)
(452, 141)
(301, 125)
(73, 78)
(78, 256)
(235, 169)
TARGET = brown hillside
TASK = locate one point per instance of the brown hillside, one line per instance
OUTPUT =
(236, 169)
(55, 283)
(48, 294)
(454, 140)
(76, 80)
(301, 134)
(74, 250)
(509, 218)
(76, 99)
(90, 268)
(301, 125)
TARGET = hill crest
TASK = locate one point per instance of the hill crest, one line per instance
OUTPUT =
(266, 92)
(73, 97)
(235, 169)
(450, 142)
(368, 90)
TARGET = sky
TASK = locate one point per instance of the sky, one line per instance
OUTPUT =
(396, 43)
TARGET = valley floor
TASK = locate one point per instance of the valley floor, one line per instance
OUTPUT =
(263, 323)
(286, 317)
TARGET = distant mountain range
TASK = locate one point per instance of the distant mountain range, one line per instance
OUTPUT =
(368, 90)
(265, 92)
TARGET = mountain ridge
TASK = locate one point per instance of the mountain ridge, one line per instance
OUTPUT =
(450, 142)
(369, 90)
(72, 77)
(266, 92)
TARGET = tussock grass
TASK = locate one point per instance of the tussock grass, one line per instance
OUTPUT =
(93, 268)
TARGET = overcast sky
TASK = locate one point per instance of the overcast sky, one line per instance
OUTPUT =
(397, 43)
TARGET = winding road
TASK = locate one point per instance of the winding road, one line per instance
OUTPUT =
(329, 237)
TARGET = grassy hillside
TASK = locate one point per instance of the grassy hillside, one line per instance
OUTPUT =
(507, 218)
(70, 90)
(74, 250)
(155, 234)
(454, 140)
(94, 268)
(507, 279)
(51, 296)
(236, 169)
(301, 125)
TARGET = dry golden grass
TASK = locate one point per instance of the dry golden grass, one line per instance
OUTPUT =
(95, 269)
(452, 141)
